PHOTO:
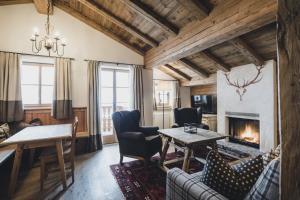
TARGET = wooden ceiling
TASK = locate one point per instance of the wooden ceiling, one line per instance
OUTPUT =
(162, 31)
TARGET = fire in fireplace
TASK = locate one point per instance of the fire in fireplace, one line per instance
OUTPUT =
(244, 131)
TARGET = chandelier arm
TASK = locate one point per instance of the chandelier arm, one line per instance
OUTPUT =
(33, 47)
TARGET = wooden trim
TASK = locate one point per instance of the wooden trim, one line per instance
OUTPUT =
(42, 6)
(196, 7)
(247, 51)
(228, 20)
(119, 22)
(148, 13)
(13, 2)
(289, 97)
(95, 25)
(45, 115)
(217, 61)
(177, 71)
(195, 68)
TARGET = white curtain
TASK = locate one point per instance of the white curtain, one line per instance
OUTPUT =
(94, 106)
(176, 96)
(11, 108)
(62, 96)
(138, 90)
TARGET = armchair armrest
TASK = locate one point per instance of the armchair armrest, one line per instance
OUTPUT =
(182, 186)
(149, 130)
(138, 136)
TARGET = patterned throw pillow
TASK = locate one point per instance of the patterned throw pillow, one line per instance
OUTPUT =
(249, 172)
(218, 175)
(267, 185)
(268, 157)
(4, 131)
(234, 183)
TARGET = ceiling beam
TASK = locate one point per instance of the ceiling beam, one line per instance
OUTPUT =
(148, 13)
(192, 66)
(95, 25)
(196, 7)
(13, 2)
(167, 72)
(42, 6)
(177, 71)
(247, 51)
(217, 61)
(119, 22)
(226, 21)
(212, 79)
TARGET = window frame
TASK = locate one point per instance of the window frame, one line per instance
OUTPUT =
(40, 65)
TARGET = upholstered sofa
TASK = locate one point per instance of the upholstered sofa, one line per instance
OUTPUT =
(183, 186)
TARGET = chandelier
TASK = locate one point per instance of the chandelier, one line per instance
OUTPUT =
(52, 43)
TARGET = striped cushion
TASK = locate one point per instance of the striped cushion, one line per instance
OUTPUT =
(267, 185)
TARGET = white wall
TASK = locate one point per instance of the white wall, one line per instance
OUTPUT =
(260, 98)
(18, 21)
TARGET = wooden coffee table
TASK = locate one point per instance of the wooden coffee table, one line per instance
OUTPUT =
(188, 142)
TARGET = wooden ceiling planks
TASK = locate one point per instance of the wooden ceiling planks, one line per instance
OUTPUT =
(227, 21)
(13, 2)
(119, 22)
(196, 7)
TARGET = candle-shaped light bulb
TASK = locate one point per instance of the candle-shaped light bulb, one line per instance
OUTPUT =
(63, 41)
(56, 35)
(36, 31)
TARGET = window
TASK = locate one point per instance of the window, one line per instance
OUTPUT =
(37, 81)
(115, 95)
(163, 98)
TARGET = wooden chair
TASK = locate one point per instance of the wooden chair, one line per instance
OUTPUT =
(49, 161)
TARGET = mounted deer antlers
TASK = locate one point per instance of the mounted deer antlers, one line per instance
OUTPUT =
(241, 88)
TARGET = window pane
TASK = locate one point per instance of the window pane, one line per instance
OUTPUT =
(122, 106)
(122, 79)
(122, 95)
(107, 78)
(47, 94)
(47, 75)
(106, 95)
(30, 94)
(29, 74)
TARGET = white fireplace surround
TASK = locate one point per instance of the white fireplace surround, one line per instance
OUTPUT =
(259, 102)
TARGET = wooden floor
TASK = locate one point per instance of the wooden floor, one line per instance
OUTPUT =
(93, 179)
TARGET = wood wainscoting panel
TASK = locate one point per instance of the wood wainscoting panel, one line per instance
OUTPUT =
(45, 115)
(204, 89)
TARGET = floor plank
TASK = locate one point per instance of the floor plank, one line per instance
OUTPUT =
(93, 179)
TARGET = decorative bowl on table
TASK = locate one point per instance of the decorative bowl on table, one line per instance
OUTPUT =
(190, 128)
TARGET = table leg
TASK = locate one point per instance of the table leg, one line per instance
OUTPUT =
(61, 163)
(15, 170)
(186, 161)
(165, 150)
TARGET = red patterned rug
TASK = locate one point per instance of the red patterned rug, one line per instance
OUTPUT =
(139, 183)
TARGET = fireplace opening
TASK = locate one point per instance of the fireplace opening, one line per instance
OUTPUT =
(244, 131)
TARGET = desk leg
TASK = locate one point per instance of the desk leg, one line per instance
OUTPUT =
(186, 161)
(165, 150)
(15, 170)
(61, 163)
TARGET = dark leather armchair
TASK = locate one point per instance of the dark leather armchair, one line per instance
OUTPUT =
(135, 141)
(188, 115)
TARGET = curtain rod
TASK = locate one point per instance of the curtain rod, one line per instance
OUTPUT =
(111, 62)
(28, 54)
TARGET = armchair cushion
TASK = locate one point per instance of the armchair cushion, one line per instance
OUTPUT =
(181, 185)
(138, 136)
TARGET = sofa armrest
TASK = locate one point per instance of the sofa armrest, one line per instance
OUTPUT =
(149, 130)
(137, 136)
(182, 186)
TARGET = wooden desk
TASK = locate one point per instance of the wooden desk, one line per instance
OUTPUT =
(188, 141)
(38, 136)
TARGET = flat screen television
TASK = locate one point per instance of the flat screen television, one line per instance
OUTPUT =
(208, 103)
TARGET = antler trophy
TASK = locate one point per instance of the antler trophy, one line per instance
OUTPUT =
(241, 88)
